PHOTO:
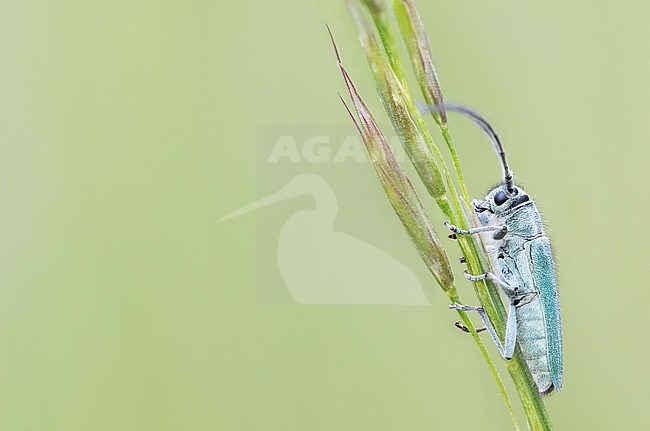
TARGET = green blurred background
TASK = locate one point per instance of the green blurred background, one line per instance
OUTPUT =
(128, 128)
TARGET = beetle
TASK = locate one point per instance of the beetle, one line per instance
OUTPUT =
(522, 260)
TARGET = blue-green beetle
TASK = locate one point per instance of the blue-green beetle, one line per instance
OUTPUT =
(522, 261)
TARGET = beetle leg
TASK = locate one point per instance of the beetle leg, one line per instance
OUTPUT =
(496, 280)
(466, 329)
(511, 328)
(486, 321)
(511, 332)
(500, 230)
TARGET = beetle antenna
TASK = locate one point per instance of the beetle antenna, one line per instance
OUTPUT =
(480, 121)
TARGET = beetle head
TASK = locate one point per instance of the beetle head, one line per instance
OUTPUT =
(499, 200)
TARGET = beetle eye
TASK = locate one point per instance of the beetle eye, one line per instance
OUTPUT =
(500, 198)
